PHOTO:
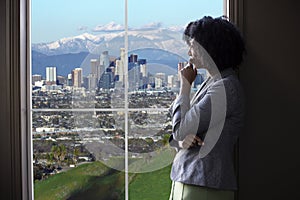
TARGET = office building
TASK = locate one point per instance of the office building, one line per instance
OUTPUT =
(171, 81)
(120, 66)
(144, 71)
(104, 59)
(94, 66)
(50, 75)
(160, 79)
(69, 80)
(35, 78)
(92, 81)
(77, 77)
(105, 81)
(61, 80)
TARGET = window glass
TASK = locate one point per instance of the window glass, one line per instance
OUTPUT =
(101, 95)
(155, 49)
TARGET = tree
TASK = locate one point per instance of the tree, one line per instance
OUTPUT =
(149, 141)
(56, 152)
(50, 157)
(59, 153)
(63, 152)
(166, 139)
(75, 155)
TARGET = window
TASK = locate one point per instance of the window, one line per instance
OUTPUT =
(100, 94)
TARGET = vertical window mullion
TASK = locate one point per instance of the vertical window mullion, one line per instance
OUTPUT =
(126, 99)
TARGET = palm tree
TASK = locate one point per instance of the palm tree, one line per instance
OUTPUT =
(75, 155)
(63, 152)
(50, 157)
(59, 153)
(56, 152)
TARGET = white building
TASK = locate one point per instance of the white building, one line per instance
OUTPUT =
(51, 74)
(77, 77)
(120, 70)
(120, 65)
(94, 65)
(144, 70)
(158, 83)
(171, 81)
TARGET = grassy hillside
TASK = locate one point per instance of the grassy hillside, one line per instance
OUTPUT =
(73, 183)
(97, 181)
(151, 185)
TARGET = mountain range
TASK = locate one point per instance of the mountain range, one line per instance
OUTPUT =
(159, 46)
(158, 60)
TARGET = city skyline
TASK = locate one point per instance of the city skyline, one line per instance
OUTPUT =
(104, 70)
(86, 109)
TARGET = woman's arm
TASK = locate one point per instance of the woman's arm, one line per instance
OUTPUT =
(197, 119)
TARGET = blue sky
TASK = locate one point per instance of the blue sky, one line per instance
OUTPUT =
(55, 19)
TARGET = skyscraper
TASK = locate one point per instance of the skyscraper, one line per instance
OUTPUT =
(69, 80)
(94, 64)
(162, 76)
(171, 80)
(104, 59)
(50, 75)
(160, 79)
(144, 70)
(93, 76)
(103, 63)
(77, 77)
(133, 58)
(158, 83)
(92, 81)
(120, 65)
(105, 81)
(122, 54)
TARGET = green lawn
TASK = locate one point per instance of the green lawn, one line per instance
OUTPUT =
(97, 181)
(151, 186)
(75, 182)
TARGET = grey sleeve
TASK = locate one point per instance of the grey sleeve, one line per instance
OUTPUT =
(202, 115)
(174, 143)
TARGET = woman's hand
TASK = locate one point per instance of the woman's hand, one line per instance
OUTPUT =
(188, 73)
(191, 141)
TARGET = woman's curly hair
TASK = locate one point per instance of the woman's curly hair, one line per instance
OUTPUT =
(220, 38)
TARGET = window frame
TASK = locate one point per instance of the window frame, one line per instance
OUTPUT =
(17, 65)
(18, 54)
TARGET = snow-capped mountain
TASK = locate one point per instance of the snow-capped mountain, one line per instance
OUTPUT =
(161, 38)
(112, 26)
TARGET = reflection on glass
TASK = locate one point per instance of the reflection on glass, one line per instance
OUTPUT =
(148, 136)
(78, 155)
(78, 96)
(152, 82)
(150, 155)
(97, 83)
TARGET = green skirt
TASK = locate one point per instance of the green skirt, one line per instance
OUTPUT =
(181, 191)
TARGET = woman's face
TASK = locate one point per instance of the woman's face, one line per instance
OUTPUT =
(196, 57)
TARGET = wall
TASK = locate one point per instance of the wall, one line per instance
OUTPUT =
(269, 147)
(10, 100)
(5, 167)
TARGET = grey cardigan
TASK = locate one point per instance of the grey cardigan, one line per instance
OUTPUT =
(216, 115)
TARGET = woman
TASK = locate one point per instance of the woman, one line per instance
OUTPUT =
(206, 128)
